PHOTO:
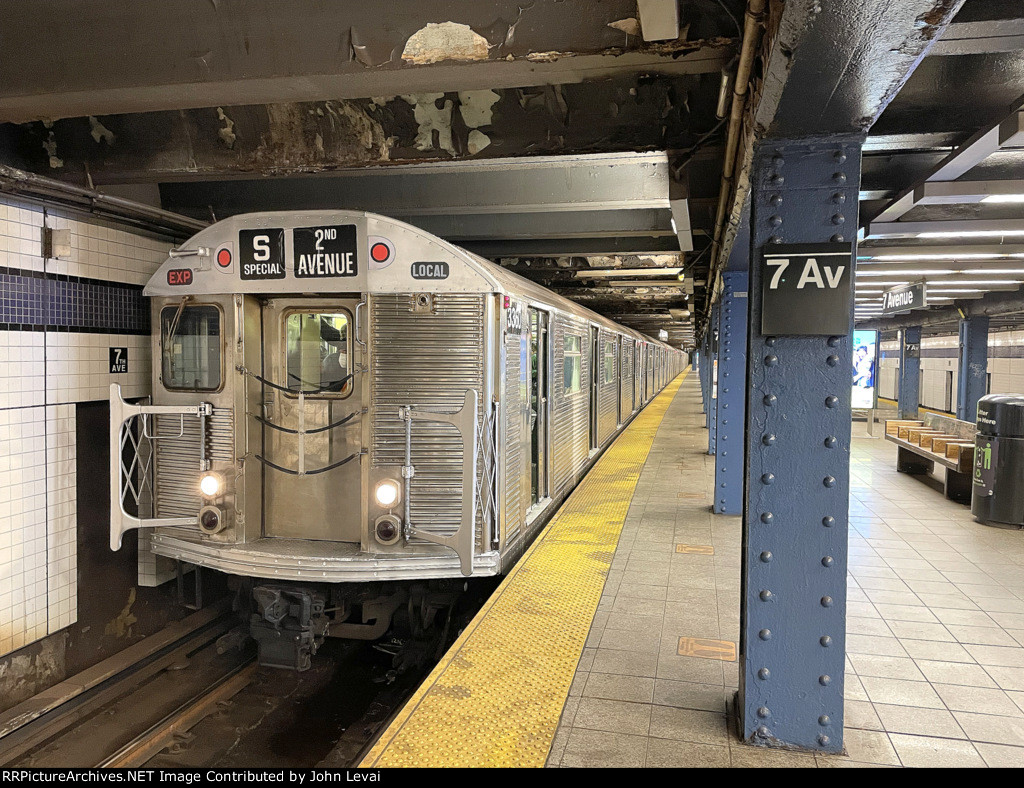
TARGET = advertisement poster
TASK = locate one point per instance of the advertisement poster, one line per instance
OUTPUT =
(864, 369)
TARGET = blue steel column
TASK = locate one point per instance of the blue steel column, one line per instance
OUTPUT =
(972, 374)
(714, 351)
(732, 394)
(793, 617)
(910, 372)
(702, 372)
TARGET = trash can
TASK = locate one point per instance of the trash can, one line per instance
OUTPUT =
(997, 492)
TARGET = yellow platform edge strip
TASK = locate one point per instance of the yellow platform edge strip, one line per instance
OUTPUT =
(496, 696)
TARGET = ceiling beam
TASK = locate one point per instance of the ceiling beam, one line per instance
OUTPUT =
(179, 54)
(981, 37)
(958, 163)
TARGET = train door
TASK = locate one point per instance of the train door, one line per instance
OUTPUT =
(311, 428)
(539, 399)
(636, 373)
(619, 351)
(595, 368)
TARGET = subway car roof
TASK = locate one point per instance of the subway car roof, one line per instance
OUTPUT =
(323, 252)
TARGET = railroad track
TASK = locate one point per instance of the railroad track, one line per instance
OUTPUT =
(192, 695)
(82, 721)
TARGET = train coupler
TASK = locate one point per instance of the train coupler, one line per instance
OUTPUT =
(288, 625)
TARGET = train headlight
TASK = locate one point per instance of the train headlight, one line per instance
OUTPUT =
(211, 485)
(387, 493)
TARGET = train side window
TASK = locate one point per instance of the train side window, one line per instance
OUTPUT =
(190, 345)
(573, 362)
(609, 362)
(317, 346)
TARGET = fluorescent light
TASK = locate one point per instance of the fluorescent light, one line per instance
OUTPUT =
(1003, 198)
(882, 271)
(892, 258)
(970, 234)
(976, 271)
(613, 272)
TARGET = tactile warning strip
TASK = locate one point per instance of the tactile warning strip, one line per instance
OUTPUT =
(496, 697)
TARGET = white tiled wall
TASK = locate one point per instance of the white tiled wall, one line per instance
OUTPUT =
(42, 376)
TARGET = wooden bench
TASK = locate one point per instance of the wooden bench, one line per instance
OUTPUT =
(936, 439)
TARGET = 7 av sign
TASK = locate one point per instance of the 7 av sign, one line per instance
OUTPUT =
(806, 289)
(903, 299)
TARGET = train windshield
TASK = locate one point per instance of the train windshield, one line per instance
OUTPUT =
(190, 338)
(317, 347)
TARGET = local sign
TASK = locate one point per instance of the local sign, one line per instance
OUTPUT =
(806, 289)
(903, 299)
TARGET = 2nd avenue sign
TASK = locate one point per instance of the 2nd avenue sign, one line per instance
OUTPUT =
(903, 299)
(806, 289)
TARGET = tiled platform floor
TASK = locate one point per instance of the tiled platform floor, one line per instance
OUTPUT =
(935, 674)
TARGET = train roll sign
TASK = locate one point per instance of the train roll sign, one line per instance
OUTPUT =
(904, 298)
(325, 252)
(261, 254)
(806, 289)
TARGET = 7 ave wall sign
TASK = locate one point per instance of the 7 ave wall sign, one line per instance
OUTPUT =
(806, 289)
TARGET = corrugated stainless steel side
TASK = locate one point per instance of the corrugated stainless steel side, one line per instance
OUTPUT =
(514, 507)
(570, 415)
(428, 360)
(176, 460)
(607, 393)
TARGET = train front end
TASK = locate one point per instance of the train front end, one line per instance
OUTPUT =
(321, 425)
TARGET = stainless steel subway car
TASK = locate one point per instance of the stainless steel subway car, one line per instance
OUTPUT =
(356, 415)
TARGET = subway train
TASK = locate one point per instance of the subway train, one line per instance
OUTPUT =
(356, 417)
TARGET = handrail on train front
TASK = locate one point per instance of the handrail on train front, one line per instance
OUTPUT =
(120, 413)
(464, 420)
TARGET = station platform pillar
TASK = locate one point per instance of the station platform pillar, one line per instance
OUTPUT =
(909, 392)
(793, 596)
(732, 394)
(714, 372)
(972, 373)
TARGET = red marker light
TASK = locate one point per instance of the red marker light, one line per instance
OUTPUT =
(224, 258)
(507, 302)
(380, 252)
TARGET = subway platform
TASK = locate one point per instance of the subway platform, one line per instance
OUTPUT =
(615, 640)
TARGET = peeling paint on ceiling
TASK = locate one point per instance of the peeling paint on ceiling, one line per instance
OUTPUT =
(445, 41)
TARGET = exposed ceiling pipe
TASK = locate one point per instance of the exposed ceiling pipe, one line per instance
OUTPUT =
(38, 187)
(740, 88)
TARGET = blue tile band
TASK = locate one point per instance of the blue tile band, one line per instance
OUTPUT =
(37, 301)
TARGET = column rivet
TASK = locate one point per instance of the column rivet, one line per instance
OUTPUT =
(763, 712)
(838, 218)
(765, 634)
(765, 595)
(767, 478)
(824, 680)
(768, 439)
(830, 441)
(770, 399)
(823, 740)
(764, 674)
(826, 601)
(771, 360)
(767, 518)
(825, 641)
(832, 360)
(824, 720)
(769, 341)
(763, 731)
(829, 481)
(828, 521)
(834, 341)
(766, 556)
(831, 401)
(827, 561)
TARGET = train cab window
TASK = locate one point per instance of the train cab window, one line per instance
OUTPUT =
(573, 364)
(608, 366)
(317, 345)
(190, 341)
